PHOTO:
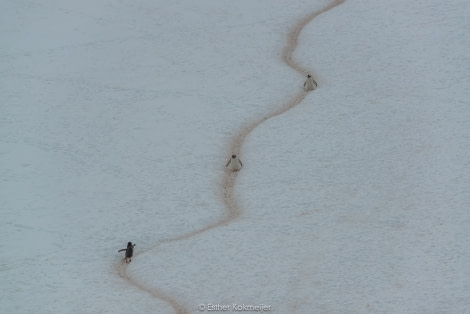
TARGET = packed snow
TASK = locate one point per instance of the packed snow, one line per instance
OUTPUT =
(116, 123)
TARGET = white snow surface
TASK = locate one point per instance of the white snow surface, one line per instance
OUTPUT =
(116, 121)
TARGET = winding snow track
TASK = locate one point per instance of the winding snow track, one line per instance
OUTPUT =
(233, 210)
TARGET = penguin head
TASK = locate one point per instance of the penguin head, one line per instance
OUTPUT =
(234, 156)
(129, 244)
(309, 76)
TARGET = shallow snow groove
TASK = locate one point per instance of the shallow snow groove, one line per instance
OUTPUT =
(233, 210)
(179, 309)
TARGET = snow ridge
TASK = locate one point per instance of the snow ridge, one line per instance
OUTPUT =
(232, 208)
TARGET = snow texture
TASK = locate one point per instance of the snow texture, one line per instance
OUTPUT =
(117, 119)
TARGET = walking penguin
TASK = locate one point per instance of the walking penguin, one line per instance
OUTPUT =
(234, 163)
(129, 252)
(310, 83)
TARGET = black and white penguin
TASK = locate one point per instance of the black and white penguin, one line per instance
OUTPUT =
(234, 163)
(310, 83)
(129, 251)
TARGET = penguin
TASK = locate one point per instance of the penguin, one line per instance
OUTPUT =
(310, 83)
(234, 163)
(129, 252)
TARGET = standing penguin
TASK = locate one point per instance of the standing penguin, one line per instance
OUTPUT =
(129, 252)
(310, 83)
(234, 163)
